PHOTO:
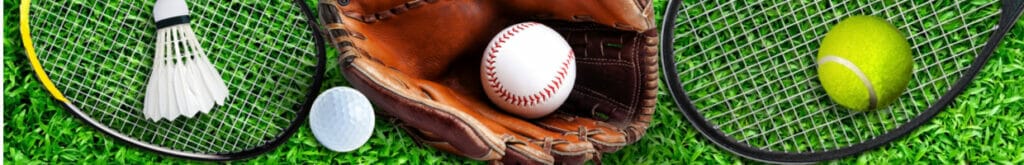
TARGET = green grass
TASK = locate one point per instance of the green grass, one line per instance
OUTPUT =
(983, 126)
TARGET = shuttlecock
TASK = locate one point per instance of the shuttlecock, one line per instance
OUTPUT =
(183, 81)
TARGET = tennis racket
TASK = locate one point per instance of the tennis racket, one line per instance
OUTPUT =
(743, 72)
(94, 57)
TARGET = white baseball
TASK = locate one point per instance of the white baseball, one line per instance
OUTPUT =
(528, 70)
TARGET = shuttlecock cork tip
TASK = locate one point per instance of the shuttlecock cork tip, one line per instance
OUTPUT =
(170, 13)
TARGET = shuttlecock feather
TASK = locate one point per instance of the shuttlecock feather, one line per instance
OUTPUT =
(183, 81)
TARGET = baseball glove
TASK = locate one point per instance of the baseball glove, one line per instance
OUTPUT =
(419, 62)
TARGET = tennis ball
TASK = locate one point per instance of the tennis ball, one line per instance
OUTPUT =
(864, 63)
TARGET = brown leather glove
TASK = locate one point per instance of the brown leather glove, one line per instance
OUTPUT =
(419, 60)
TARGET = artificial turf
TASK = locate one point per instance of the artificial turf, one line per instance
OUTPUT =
(982, 126)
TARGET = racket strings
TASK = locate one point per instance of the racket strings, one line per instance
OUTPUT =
(761, 86)
(62, 37)
(100, 55)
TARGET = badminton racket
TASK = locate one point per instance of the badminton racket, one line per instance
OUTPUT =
(94, 57)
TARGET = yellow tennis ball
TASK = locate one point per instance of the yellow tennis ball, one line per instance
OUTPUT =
(864, 63)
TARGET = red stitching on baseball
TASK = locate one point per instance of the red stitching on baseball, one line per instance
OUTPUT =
(528, 100)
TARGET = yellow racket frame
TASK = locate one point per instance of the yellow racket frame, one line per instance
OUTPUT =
(30, 51)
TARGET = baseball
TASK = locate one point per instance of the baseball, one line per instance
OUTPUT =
(528, 70)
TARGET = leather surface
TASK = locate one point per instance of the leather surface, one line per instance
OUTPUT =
(418, 61)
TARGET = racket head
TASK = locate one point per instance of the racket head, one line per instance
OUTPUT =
(94, 58)
(743, 73)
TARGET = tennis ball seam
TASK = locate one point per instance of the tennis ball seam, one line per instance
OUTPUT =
(872, 97)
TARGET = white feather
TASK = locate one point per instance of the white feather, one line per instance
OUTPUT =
(214, 83)
(170, 101)
(185, 75)
(148, 106)
(193, 78)
(199, 67)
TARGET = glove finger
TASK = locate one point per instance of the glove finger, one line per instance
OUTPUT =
(516, 152)
(629, 15)
(522, 152)
(604, 137)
